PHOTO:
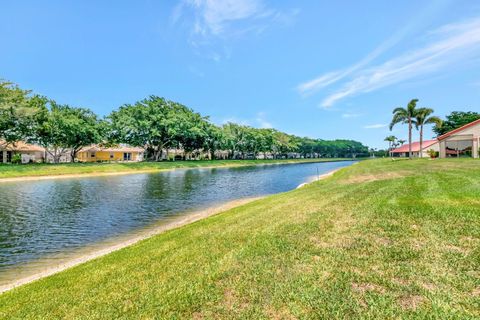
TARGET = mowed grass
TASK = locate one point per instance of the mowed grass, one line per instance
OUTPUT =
(34, 170)
(380, 239)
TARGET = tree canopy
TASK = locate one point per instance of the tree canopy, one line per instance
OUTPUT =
(154, 123)
(455, 120)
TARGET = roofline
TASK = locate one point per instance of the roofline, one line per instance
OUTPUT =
(465, 126)
(425, 144)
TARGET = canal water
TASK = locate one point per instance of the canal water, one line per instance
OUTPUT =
(52, 218)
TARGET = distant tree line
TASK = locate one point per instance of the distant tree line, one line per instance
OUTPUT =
(156, 124)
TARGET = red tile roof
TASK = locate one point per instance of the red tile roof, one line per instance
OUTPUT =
(415, 146)
(20, 146)
(468, 125)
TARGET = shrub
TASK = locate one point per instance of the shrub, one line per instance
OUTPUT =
(17, 158)
(432, 153)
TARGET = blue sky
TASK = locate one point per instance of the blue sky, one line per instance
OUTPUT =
(324, 69)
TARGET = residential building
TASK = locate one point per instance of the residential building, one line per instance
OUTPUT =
(461, 142)
(96, 153)
(427, 145)
(28, 152)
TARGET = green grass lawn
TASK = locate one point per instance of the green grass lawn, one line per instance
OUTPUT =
(31, 170)
(381, 239)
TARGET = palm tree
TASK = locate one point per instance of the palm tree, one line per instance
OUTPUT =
(391, 141)
(401, 141)
(422, 118)
(406, 115)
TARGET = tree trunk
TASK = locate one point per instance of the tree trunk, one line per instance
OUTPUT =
(73, 154)
(410, 138)
(157, 153)
(420, 154)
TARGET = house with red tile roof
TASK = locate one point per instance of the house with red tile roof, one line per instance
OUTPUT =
(28, 152)
(461, 142)
(427, 145)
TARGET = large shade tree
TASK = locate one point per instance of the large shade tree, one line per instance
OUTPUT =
(62, 128)
(17, 110)
(157, 124)
(406, 115)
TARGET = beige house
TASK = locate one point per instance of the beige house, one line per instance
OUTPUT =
(28, 152)
(461, 142)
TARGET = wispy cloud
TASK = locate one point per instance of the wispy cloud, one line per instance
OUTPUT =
(259, 121)
(451, 45)
(330, 78)
(351, 115)
(217, 17)
(376, 126)
(262, 121)
(212, 20)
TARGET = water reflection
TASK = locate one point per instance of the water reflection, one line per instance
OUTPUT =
(49, 217)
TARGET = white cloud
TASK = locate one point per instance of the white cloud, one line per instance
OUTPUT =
(330, 78)
(212, 16)
(452, 45)
(350, 115)
(262, 122)
(216, 17)
(259, 121)
(376, 126)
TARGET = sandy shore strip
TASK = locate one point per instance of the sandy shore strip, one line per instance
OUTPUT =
(149, 232)
(81, 175)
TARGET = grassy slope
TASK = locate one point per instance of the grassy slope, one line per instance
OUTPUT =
(381, 239)
(13, 171)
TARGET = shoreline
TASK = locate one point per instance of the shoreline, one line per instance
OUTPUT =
(129, 240)
(128, 172)
(133, 238)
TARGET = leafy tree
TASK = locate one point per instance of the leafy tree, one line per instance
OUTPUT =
(406, 115)
(455, 120)
(391, 141)
(156, 124)
(16, 112)
(422, 118)
(191, 133)
(61, 128)
(214, 139)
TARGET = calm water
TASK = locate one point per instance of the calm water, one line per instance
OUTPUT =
(51, 217)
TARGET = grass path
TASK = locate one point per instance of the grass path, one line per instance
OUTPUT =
(381, 239)
(10, 172)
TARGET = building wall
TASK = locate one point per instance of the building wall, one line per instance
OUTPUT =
(471, 133)
(435, 147)
(87, 156)
(26, 156)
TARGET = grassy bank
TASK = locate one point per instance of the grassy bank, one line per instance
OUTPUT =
(37, 170)
(381, 239)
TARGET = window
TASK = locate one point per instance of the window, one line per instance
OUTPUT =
(9, 156)
(1, 156)
(127, 156)
(459, 149)
(111, 155)
(93, 154)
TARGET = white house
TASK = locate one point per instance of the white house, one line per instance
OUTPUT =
(461, 142)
